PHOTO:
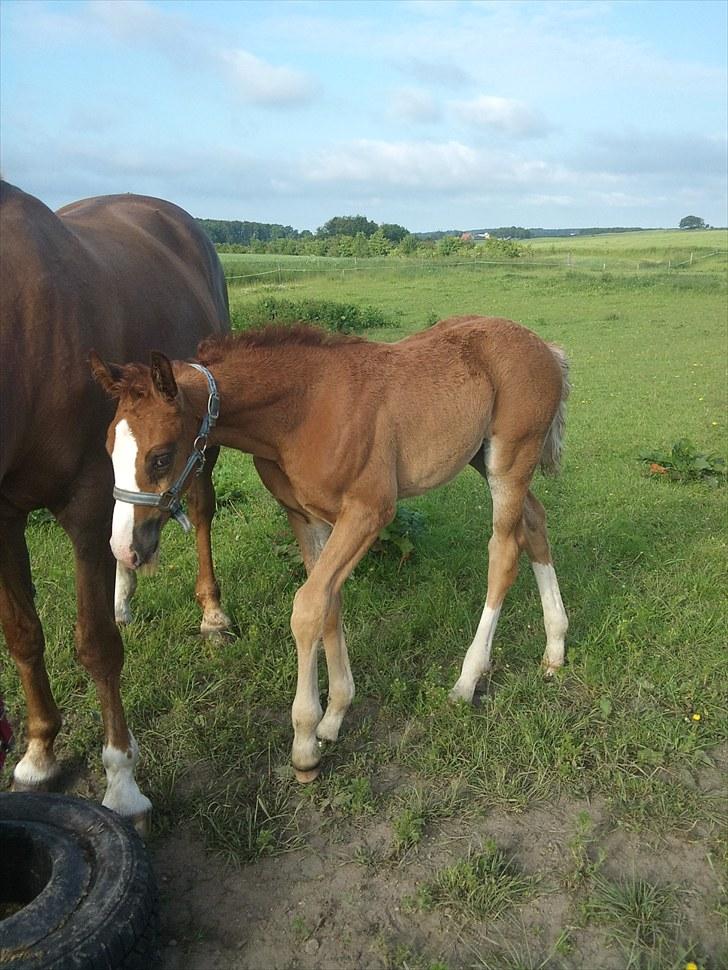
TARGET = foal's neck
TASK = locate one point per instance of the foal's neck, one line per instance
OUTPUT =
(261, 395)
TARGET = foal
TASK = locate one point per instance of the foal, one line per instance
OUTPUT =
(340, 428)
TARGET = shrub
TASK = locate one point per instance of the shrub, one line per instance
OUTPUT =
(339, 317)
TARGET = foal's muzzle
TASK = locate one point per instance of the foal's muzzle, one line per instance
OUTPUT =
(145, 541)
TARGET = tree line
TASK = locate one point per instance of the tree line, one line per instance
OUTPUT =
(347, 236)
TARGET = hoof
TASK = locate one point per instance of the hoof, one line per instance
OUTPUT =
(142, 822)
(455, 697)
(305, 777)
(52, 782)
(549, 669)
(215, 623)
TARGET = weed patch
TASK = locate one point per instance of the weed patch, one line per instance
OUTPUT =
(481, 886)
(333, 315)
(684, 463)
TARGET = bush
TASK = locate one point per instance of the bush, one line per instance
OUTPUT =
(339, 317)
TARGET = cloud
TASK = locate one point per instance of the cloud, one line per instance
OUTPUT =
(189, 48)
(414, 105)
(258, 82)
(658, 153)
(445, 166)
(505, 115)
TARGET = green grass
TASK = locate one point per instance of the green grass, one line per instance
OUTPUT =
(642, 565)
(481, 886)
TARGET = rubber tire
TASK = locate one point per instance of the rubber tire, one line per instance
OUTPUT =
(95, 901)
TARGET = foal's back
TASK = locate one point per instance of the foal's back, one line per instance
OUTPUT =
(464, 381)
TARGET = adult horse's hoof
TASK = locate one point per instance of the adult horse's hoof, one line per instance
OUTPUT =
(304, 777)
(142, 822)
(215, 624)
(29, 779)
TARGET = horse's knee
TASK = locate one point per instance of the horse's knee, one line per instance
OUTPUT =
(308, 615)
(100, 649)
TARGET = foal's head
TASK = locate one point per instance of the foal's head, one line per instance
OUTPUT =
(149, 440)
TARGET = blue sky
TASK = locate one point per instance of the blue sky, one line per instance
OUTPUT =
(434, 115)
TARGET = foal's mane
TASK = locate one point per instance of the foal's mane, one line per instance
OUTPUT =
(214, 349)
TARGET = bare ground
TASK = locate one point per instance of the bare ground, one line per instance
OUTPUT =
(345, 901)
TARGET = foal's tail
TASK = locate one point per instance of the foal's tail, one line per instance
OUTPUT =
(553, 445)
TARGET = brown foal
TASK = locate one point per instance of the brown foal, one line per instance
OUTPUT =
(340, 428)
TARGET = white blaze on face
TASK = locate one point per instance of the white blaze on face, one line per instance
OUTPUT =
(123, 459)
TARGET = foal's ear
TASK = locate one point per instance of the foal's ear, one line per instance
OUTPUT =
(163, 376)
(107, 375)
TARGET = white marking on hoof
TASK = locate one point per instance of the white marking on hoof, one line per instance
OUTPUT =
(122, 792)
(214, 621)
(36, 770)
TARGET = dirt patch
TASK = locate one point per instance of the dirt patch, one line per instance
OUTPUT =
(344, 901)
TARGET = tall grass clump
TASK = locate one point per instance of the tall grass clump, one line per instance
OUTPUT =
(331, 314)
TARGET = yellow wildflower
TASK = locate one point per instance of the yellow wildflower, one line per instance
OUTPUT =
(691, 966)
(696, 717)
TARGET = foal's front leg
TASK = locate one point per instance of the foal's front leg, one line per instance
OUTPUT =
(355, 531)
(201, 502)
(312, 536)
(124, 589)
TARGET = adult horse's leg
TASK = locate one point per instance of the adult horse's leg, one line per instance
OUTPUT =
(87, 521)
(38, 768)
(509, 470)
(312, 537)
(356, 529)
(534, 539)
(201, 502)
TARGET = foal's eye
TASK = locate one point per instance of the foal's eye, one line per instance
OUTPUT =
(160, 463)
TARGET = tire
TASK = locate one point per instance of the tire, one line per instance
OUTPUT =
(84, 883)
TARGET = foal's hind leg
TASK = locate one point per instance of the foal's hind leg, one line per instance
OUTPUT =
(509, 472)
(534, 539)
(201, 503)
(312, 537)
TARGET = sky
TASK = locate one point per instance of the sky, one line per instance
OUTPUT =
(433, 114)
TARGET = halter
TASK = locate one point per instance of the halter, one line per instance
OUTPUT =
(170, 501)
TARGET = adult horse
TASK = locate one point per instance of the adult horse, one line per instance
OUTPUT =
(127, 274)
(340, 428)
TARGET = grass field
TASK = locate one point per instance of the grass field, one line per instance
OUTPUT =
(564, 825)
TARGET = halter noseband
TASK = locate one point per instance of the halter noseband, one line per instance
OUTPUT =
(170, 501)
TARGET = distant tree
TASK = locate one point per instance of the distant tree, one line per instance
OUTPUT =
(692, 222)
(348, 226)
(408, 245)
(393, 232)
